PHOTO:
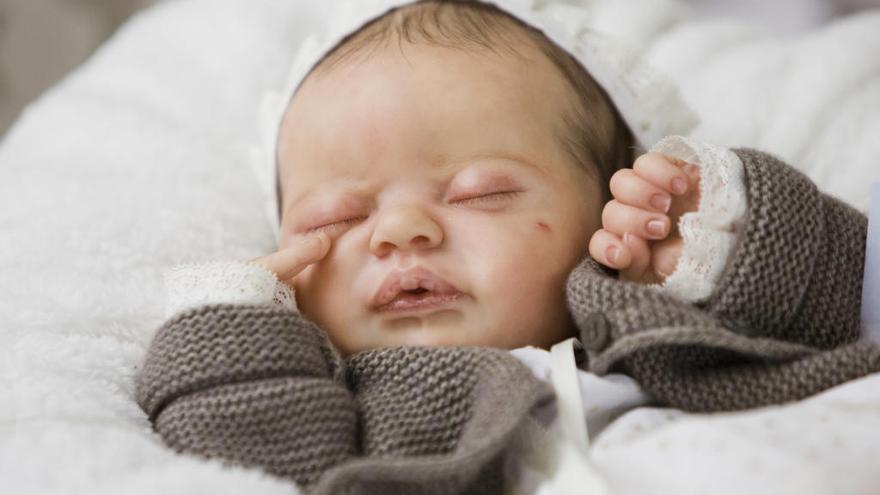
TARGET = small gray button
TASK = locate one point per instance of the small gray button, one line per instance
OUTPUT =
(595, 332)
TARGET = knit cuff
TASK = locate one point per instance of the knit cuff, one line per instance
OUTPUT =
(221, 344)
(616, 319)
(763, 287)
(296, 428)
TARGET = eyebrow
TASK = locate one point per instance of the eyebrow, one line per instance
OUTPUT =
(357, 186)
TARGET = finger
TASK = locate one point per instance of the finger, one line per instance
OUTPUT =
(620, 218)
(641, 260)
(691, 200)
(666, 256)
(627, 187)
(287, 263)
(608, 249)
(663, 173)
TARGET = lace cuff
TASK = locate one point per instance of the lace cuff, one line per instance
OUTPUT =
(230, 282)
(710, 233)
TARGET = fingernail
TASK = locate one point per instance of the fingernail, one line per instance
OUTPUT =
(657, 228)
(679, 185)
(661, 202)
(612, 253)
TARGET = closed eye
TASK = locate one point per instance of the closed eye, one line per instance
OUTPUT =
(496, 196)
(485, 198)
(341, 223)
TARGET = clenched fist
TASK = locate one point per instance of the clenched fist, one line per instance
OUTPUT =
(639, 235)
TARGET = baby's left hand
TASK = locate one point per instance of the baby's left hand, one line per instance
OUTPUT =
(640, 235)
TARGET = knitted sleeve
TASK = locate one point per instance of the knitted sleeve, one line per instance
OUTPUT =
(262, 387)
(783, 323)
(252, 385)
(798, 270)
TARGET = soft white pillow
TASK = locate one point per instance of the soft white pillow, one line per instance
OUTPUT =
(135, 162)
(810, 98)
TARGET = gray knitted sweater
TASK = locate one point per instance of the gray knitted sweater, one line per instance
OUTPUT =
(261, 386)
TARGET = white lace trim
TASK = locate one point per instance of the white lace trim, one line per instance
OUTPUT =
(229, 282)
(710, 233)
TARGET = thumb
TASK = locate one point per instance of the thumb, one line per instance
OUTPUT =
(641, 258)
(666, 255)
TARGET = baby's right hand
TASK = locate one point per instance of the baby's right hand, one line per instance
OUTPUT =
(640, 235)
(288, 263)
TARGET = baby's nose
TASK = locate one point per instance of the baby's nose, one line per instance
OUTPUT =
(405, 227)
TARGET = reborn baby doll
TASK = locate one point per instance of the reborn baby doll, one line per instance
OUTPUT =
(443, 174)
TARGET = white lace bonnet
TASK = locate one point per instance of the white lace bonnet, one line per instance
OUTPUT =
(648, 101)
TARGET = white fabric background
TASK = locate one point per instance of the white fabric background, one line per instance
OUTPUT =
(137, 162)
(31, 62)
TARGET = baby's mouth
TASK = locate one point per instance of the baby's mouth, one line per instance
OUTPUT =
(419, 299)
(412, 290)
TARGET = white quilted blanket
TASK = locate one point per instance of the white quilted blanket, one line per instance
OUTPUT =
(138, 161)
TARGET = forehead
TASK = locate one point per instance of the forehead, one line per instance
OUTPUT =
(411, 106)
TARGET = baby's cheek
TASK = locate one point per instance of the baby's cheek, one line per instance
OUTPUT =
(318, 289)
(302, 281)
(310, 291)
(519, 259)
(552, 250)
(301, 287)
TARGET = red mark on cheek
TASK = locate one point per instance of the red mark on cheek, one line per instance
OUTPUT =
(543, 226)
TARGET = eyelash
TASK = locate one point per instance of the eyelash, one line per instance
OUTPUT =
(335, 224)
(489, 197)
(476, 199)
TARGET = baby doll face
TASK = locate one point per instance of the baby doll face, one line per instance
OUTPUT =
(442, 169)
